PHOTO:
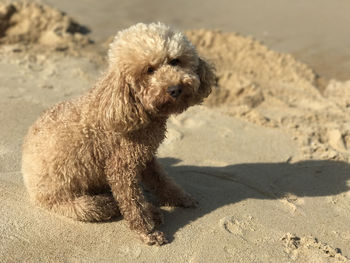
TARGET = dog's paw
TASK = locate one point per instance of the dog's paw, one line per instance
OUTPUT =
(155, 238)
(181, 200)
(188, 201)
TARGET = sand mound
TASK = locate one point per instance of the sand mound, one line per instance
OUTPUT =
(247, 69)
(34, 23)
(275, 90)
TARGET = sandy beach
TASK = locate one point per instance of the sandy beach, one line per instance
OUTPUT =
(267, 154)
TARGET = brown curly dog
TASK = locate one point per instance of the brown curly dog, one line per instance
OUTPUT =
(86, 158)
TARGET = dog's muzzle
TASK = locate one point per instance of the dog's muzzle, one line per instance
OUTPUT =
(174, 91)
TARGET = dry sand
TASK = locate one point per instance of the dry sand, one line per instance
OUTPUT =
(267, 156)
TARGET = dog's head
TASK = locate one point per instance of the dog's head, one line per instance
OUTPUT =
(154, 71)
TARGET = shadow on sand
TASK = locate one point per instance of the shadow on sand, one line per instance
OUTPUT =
(215, 187)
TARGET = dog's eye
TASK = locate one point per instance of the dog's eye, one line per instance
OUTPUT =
(174, 62)
(150, 70)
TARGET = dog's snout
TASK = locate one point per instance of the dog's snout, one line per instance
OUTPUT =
(174, 91)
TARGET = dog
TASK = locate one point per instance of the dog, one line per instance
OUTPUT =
(88, 158)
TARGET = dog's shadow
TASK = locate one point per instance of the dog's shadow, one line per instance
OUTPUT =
(215, 187)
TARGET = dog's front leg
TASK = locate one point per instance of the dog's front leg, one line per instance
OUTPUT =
(124, 179)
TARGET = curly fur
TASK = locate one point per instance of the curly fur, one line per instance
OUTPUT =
(86, 158)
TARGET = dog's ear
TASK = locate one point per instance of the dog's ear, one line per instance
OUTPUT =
(118, 107)
(206, 73)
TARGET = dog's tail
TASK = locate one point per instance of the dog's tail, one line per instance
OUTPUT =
(87, 208)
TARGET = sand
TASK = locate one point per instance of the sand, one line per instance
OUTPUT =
(266, 156)
(29, 23)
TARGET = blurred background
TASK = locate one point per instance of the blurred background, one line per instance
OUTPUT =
(314, 31)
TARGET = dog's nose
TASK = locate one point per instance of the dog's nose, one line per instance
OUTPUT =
(174, 91)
